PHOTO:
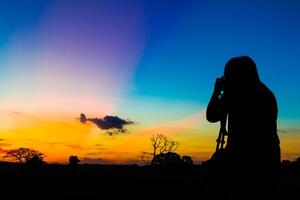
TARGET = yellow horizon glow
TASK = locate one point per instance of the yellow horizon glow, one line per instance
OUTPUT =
(61, 137)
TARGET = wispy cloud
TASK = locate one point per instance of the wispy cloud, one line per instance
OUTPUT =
(92, 160)
(94, 153)
(2, 151)
(72, 146)
(16, 113)
(289, 130)
(4, 144)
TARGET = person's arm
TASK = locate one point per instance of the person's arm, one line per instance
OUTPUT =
(216, 110)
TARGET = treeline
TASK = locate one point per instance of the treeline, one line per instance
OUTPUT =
(163, 153)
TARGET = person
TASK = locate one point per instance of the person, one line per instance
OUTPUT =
(253, 147)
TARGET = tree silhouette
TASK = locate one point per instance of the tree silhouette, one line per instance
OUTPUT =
(73, 160)
(163, 144)
(24, 155)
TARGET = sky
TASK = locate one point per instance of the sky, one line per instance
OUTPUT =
(152, 64)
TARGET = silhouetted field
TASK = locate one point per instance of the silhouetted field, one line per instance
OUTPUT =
(96, 181)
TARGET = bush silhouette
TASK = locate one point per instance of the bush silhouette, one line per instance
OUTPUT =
(35, 161)
(73, 160)
(187, 160)
(169, 158)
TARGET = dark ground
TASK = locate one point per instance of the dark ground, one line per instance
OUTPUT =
(98, 181)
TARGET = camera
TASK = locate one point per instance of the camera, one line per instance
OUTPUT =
(220, 83)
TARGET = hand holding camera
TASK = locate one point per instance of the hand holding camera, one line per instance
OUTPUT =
(219, 84)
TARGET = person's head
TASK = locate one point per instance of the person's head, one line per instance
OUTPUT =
(240, 72)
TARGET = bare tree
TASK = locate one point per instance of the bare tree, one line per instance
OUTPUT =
(163, 144)
(160, 144)
(24, 155)
(169, 146)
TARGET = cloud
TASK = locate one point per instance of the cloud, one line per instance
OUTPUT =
(3, 151)
(98, 147)
(16, 113)
(289, 130)
(82, 118)
(71, 146)
(4, 144)
(91, 160)
(112, 124)
(94, 153)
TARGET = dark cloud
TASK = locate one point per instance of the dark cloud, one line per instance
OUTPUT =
(82, 118)
(112, 124)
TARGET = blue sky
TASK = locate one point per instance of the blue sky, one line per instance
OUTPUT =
(188, 46)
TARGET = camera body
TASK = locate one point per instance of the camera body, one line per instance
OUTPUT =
(220, 83)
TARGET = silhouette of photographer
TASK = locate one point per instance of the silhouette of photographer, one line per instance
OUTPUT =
(252, 149)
